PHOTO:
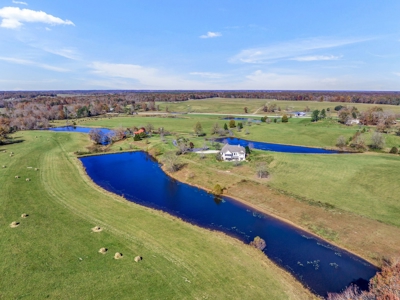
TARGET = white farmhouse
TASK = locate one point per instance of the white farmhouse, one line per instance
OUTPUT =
(232, 152)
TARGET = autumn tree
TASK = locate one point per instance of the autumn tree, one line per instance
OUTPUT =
(171, 161)
(232, 124)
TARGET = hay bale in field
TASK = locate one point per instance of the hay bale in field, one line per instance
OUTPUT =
(97, 229)
(118, 255)
(4, 167)
(28, 179)
(36, 169)
(11, 155)
(14, 224)
(11, 152)
(103, 250)
(29, 167)
(138, 258)
(16, 176)
(24, 216)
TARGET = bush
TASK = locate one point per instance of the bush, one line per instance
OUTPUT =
(136, 137)
(258, 243)
(232, 124)
(341, 141)
(285, 119)
(394, 150)
(217, 190)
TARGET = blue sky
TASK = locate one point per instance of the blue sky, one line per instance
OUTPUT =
(177, 44)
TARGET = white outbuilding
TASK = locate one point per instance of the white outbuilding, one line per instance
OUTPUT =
(233, 152)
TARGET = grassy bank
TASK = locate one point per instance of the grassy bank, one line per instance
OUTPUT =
(53, 252)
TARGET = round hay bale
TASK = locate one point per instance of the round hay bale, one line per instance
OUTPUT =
(97, 229)
(12, 152)
(118, 255)
(103, 250)
(138, 258)
(36, 169)
(16, 176)
(27, 179)
(24, 216)
(14, 224)
(4, 167)
(11, 155)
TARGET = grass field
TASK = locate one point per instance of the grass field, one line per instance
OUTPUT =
(236, 106)
(54, 254)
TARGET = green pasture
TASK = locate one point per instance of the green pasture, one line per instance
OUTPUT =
(54, 254)
(236, 106)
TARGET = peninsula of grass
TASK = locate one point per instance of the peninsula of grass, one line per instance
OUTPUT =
(53, 253)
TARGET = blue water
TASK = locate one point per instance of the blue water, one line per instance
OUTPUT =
(320, 266)
(243, 119)
(275, 147)
(105, 139)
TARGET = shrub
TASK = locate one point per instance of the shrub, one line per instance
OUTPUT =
(341, 141)
(232, 124)
(258, 243)
(285, 119)
(394, 150)
(217, 190)
(136, 137)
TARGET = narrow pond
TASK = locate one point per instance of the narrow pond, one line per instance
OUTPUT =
(275, 147)
(103, 131)
(317, 264)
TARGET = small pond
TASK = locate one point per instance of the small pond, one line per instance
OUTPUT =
(243, 119)
(274, 147)
(104, 131)
(317, 264)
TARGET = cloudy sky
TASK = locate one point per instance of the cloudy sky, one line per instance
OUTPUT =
(191, 44)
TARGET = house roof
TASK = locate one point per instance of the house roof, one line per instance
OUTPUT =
(233, 148)
(139, 131)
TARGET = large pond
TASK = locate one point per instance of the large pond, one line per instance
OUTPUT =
(275, 147)
(320, 266)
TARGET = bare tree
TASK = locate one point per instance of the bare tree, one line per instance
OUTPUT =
(171, 161)
(341, 141)
(262, 171)
(378, 140)
(215, 128)
(96, 135)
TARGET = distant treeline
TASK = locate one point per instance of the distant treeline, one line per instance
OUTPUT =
(392, 98)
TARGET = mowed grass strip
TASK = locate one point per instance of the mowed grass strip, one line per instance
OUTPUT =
(54, 253)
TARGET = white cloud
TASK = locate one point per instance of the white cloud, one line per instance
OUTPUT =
(207, 75)
(14, 17)
(143, 77)
(69, 53)
(396, 73)
(32, 63)
(289, 50)
(316, 58)
(210, 34)
(19, 2)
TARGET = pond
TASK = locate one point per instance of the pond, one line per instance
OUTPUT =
(317, 264)
(275, 147)
(242, 119)
(104, 131)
